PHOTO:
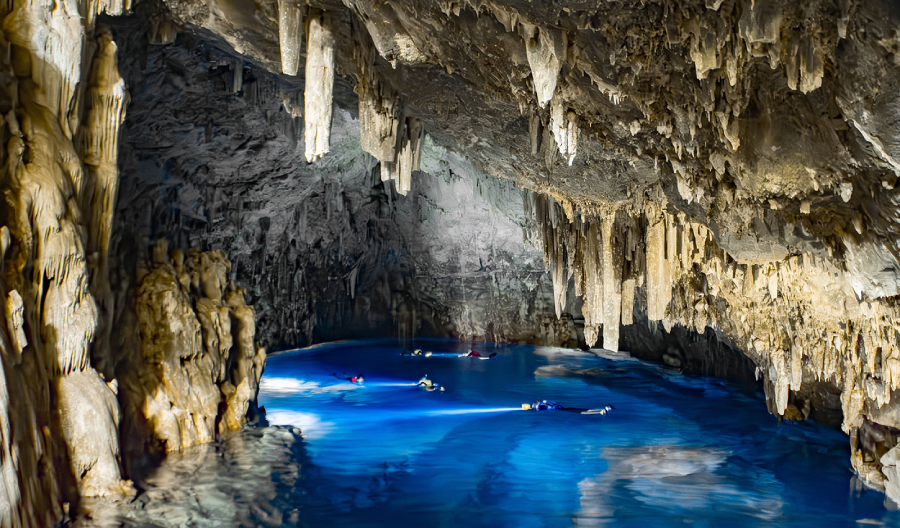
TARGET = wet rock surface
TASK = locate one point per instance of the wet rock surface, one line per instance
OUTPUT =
(232, 482)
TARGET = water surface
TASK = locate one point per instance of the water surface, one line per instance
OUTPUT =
(678, 450)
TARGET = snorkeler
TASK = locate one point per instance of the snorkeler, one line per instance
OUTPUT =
(544, 405)
(359, 378)
(417, 352)
(475, 354)
(429, 385)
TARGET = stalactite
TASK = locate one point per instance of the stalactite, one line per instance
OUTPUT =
(237, 76)
(565, 130)
(593, 284)
(658, 275)
(535, 129)
(56, 39)
(769, 310)
(290, 27)
(385, 132)
(107, 99)
(379, 106)
(545, 48)
(409, 155)
(628, 302)
(612, 283)
(319, 84)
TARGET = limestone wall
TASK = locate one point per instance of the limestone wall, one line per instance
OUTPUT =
(62, 392)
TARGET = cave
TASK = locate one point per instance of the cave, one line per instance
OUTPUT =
(682, 210)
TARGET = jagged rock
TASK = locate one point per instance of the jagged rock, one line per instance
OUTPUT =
(200, 367)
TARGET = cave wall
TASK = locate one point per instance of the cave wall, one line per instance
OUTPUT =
(63, 102)
(324, 250)
(62, 396)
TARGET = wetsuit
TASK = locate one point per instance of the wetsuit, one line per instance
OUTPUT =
(544, 405)
(474, 354)
(429, 385)
(359, 378)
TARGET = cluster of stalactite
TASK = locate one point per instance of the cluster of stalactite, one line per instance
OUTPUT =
(387, 132)
(797, 319)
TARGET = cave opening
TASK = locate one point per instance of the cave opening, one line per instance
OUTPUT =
(676, 218)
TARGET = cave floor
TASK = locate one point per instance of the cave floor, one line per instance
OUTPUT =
(676, 451)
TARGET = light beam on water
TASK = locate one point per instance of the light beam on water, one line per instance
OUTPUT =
(451, 412)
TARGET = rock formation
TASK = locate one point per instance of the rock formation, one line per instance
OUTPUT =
(721, 167)
(64, 102)
(197, 367)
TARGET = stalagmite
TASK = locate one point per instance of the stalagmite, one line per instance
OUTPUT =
(290, 26)
(319, 85)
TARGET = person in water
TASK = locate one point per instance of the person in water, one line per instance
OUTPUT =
(476, 354)
(359, 378)
(544, 405)
(429, 385)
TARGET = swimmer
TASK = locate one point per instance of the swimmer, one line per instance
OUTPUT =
(475, 354)
(359, 378)
(429, 385)
(544, 405)
(417, 352)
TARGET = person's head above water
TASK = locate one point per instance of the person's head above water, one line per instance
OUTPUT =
(359, 378)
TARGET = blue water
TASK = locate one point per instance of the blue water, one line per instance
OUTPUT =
(677, 451)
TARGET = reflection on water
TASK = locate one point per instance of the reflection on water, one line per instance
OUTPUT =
(678, 451)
